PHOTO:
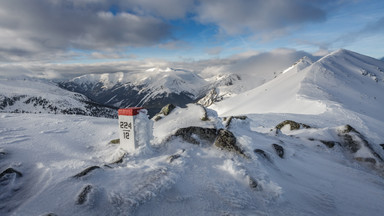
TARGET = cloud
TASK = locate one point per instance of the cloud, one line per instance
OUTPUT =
(174, 45)
(110, 55)
(214, 50)
(243, 16)
(249, 63)
(31, 27)
(267, 62)
(168, 9)
(37, 30)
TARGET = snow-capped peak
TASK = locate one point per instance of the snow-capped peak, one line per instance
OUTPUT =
(340, 79)
(299, 65)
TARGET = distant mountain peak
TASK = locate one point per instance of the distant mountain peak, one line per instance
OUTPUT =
(300, 64)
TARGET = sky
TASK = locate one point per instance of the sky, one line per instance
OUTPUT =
(52, 37)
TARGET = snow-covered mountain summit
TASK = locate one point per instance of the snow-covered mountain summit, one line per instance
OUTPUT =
(300, 65)
(342, 78)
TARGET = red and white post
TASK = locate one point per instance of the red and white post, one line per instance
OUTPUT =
(127, 128)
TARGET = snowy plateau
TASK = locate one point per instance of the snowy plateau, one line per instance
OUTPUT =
(308, 140)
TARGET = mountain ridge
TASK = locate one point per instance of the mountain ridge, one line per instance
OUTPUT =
(41, 96)
(152, 88)
(305, 84)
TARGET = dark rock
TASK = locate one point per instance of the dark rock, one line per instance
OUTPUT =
(173, 157)
(164, 112)
(82, 197)
(205, 115)
(382, 146)
(262, 153)
(86, 171)
(207, 134)
(229, 119)
(329, 144)
(368, 160)
(157, 118)
(353, 140)
(350, 143)
(115, 141)
(348, 128)
(10, 171)
(294, 125)
(226, 140)
(49, 214)
(279, 150)
(252, 182)
(167, 109)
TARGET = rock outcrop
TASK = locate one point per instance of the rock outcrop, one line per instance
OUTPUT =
(196, 135)
(227, 141)
(353, 141)
(293, 125)
(279, 150)
(166, 110)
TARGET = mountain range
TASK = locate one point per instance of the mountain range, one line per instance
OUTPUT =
(153, 88)
(41, 96)
(306, 140)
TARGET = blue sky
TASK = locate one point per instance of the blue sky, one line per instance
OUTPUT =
(94, 31)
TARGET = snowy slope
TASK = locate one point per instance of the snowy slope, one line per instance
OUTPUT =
(175, 177)
(279, 95)
(39, 96)
(341, 88)
(340, 79)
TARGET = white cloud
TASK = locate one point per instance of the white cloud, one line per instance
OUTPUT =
(250, 63)
(31, 27)
(214, 50)
(257, 16)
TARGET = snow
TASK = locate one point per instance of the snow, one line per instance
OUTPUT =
(50, 149)
(181, 118)
(168, 176)
(157, 80)
(42, 96)
(280, 95)
(333, 86)
(40, 89)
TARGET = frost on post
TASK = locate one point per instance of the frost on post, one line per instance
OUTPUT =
(135, 129)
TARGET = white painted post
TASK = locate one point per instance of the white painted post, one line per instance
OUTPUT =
(127, 128)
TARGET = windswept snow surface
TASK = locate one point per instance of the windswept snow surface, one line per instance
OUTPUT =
(279, 95)
(343, 87)
(341, 80)
(175, 177)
